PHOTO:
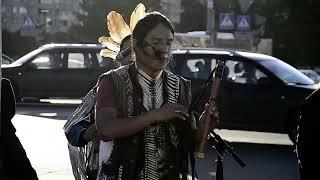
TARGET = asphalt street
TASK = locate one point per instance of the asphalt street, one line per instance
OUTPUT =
(267, 155)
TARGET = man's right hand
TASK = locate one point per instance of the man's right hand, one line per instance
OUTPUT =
(168, 112)
(90, 133)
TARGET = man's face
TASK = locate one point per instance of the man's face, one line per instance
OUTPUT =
(156, 51)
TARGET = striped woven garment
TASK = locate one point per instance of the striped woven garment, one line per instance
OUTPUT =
(155, 143)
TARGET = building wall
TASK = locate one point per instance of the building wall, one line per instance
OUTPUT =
(172, 9)
(32, 17)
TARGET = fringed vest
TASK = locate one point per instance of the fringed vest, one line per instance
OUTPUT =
(127, 158)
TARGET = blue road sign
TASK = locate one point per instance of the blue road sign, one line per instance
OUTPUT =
(28, 27)
(243, 23)
(28, 22)
(226, 21)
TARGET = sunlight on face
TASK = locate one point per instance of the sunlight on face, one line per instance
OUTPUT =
(158, 51)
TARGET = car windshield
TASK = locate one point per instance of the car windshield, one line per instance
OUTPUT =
(26, 57)
(286, 72)
(309, 72)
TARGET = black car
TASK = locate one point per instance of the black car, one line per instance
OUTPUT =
(312, 74)
(6, 59)
(57, 70)
(258, 92)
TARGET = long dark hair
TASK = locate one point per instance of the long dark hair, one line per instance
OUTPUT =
(123, 40)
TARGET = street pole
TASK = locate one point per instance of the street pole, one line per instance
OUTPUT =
(211, 21)
(213, 25)
(0, 66)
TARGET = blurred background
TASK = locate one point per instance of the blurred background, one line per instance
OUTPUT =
(286, 29)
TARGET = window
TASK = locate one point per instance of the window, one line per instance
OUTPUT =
(41, 62)
(82, 60)
(100, 59)
(244, 73)
(76, 61)
(14, 9)
(4, 19)
(45, 1)
(22, 10)
(3, 9)
(90, 60)
(43, 11)
(198, 68)
(286, 72)
(47, 61)
(64, 22)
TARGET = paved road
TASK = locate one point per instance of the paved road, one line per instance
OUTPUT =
(268, 155)
(55, 109)
(45, 145)
(264, 162)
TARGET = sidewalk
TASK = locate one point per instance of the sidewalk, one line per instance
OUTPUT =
(45, 145)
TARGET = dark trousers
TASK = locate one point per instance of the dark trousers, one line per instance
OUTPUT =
(15, 164)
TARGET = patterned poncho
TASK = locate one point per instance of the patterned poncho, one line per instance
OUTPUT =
(160, 151)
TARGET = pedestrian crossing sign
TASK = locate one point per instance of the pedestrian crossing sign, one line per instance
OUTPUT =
(28, 22)
(243, 23)
(226, 21)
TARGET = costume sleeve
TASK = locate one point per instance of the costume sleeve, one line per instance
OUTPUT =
(74, 135)
(104, 98)
(8, 106)
(8, 99)
(105, 94)
(14, 161)
(309, 112)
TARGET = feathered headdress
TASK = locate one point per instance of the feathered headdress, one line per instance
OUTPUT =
(119, 29)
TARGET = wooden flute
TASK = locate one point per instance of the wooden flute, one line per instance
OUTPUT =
(208, 121)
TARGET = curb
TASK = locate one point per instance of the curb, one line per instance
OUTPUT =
(51, 102)
(47, 104)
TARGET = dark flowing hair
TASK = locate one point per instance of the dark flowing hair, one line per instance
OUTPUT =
(124, 40)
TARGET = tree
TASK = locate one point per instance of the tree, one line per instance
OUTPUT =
(277, 27)
(193, 17)
(92, 20)
(15, 45)
(58, 37)
(305, 27)
(294, 26)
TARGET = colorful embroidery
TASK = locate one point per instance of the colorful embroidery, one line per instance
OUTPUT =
(123, 72)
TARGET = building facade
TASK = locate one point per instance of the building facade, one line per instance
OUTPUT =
(172, 9)
(33, 17)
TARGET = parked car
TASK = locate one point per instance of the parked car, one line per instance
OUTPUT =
(258, 92)
(6, 59)
(264, 98)
(311, 74)
(57, 70)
